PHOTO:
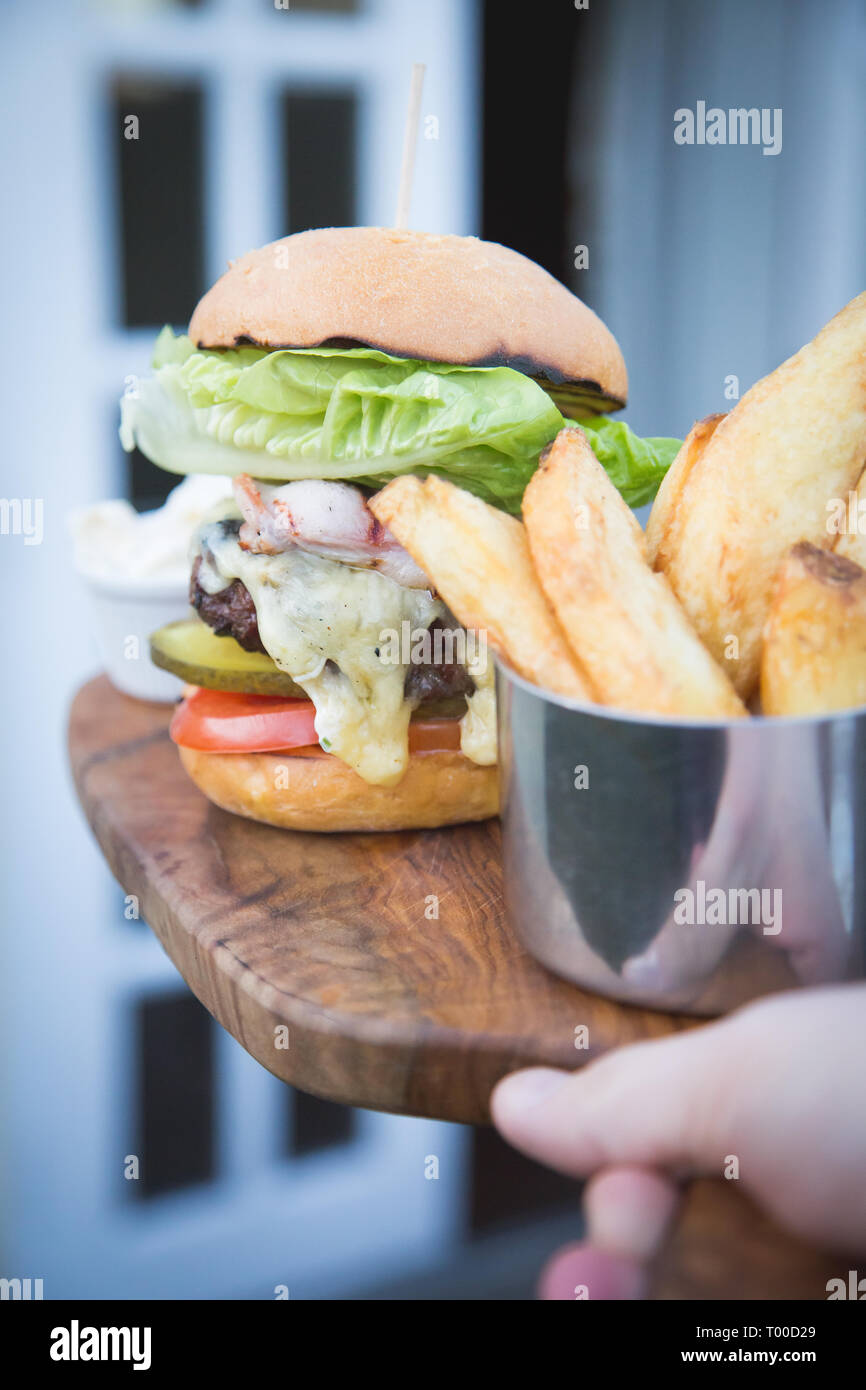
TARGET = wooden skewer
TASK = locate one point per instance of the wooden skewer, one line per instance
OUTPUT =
(410, 140)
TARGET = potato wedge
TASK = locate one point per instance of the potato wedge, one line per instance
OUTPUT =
(814, 654)
(478, 559)
(761, 482)
(667, 501)
(633, 639)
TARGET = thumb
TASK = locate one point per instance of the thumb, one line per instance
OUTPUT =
(667, 1104)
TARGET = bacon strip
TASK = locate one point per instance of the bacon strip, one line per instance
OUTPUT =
(329, 519)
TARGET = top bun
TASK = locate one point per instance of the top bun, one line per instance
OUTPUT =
(413, 294)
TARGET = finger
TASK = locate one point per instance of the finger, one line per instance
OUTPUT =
(580, 1272)
(661, 1104)
(628, 1211)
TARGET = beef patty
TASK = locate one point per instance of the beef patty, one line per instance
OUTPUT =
(232, 613)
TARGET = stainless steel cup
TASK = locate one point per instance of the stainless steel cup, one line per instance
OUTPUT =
(687, 866)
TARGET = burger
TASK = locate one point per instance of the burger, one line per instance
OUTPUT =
(327, 686)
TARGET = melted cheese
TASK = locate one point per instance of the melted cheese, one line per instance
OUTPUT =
(478, 725)
(313, 611)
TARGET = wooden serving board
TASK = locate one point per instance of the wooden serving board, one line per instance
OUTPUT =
(333, 936)
(330, 943)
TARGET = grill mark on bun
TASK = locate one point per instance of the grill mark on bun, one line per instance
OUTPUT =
(529, 366)
(446, 299)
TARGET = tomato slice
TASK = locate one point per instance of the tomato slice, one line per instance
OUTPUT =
(434, 735)
(221, 721)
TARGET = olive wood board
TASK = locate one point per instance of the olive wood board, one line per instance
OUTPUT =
(388, 1005)
(324, 956)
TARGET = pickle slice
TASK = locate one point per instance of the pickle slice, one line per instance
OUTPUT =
(192, 651)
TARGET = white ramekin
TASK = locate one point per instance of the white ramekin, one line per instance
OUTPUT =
(125, 612)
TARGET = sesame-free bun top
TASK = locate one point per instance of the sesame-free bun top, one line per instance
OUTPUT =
(414, 294)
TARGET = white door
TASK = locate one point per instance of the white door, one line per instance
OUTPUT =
(75, 973)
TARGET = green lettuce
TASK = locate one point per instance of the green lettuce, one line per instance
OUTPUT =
(358, 415)
(353, 414)
(636, 466)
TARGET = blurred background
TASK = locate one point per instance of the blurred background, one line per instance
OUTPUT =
(548, 127)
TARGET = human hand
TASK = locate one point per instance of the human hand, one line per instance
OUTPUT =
(778, 1085)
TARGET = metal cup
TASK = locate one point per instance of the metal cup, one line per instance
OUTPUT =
(688, 866)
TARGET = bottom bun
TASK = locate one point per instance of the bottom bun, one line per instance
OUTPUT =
(319, 792)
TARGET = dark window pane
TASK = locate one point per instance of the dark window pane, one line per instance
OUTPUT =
(317, 1124)
(147, 486)
(526, 95)
(156, 138)
(506, 1186)
(174, 1092)
(319, 156)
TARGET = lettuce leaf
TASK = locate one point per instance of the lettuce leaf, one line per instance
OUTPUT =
(635, 466)
(359, 415)
(353, 414)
